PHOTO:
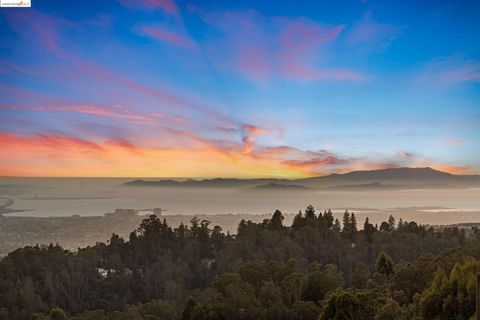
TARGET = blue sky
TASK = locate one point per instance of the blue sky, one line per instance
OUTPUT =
(238, 88)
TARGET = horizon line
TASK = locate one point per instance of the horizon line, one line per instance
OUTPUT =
(218, 177)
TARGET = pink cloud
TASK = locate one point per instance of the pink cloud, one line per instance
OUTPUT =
(73, 69)
(301, 33)
(253, 61)
(315, 163)
(250, 134)
(291, 153)
(169, 36)
(455, 142)
(168, 6)
(116, 111)
(448, 71)
(462, 73)
(42, 29)
(61, 142)
(171, 101)
(179, 107)
(125, 144)
(300, 72)
(371, 33)
(262, 48)
(405, 154)
(61, 153)
(21, 95)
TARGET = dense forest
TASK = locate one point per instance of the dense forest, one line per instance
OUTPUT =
(317, 268)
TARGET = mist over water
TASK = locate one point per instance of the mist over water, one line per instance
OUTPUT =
(45, 197)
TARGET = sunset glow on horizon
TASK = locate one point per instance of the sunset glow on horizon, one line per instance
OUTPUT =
(158, 88)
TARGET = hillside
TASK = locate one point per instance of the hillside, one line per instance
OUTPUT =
(395, 178)
(279, 187)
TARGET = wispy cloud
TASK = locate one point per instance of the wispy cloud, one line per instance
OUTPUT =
(169, 6)
(57, 154)
(263, 48)
(116, 111)
(369, 34)
(250, 134)
(44, 31)
(455, 142)
(448, 71)
(174, 125)
(169, 36)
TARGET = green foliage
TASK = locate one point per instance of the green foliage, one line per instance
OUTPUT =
(360, 276)
(57, 314)
(321, 281)
(349, 226)
(91, 315)
(451, 297)
(4, 314)
(314, 269)
(347, 305)
(384, 264)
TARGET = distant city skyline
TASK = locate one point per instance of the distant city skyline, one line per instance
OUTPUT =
(243, 89)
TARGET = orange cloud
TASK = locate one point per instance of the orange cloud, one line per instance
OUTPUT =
(56, 155)
(193, 156)
(250, 134)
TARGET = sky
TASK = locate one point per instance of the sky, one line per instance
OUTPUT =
(165, 88)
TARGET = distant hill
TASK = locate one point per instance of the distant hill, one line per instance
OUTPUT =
(385, 187)
(278, 187)
(408, 177)
(204, 183)
(393, 178)
(366, 186)
(391, 174)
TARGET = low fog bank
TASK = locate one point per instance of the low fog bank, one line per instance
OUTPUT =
(75, 208)
(94, 197)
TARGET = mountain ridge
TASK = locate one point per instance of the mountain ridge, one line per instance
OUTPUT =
(414, 176)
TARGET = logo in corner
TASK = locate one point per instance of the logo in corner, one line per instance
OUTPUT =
(15, 3)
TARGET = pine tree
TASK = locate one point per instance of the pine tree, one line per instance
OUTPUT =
(328, 216)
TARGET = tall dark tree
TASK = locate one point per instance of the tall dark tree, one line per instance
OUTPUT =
(276, 223)
(298, 221)
(328, 216)
(368, 230)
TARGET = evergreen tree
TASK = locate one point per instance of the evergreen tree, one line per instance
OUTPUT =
(298, 221)
(368, 230)
(391, 223)
(337, 227)
(276, 223)
(346, 222)
(328, 216)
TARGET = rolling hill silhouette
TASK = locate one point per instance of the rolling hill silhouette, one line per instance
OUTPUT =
(392, 177)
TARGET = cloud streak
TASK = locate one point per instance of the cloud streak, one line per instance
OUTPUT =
(117, 111)
(448, 71)
(56, 155)
(374, 35)
(262, 48)
(185, 104)
(168, 6)
(168, 36)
